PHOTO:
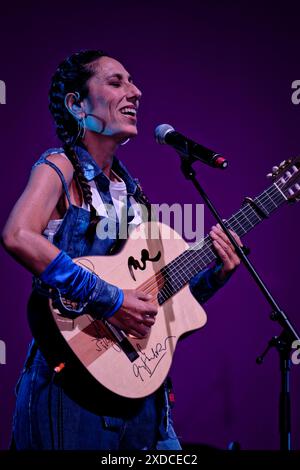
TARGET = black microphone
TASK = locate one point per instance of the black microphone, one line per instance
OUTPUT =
(166, 134)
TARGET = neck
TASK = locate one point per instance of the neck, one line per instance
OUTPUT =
(102, 148)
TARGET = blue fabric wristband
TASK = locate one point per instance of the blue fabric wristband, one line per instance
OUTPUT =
(205, 283)
(80, 285)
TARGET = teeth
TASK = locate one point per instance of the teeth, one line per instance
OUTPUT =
(131, 111)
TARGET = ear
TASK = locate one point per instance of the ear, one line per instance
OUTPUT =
(74, 106)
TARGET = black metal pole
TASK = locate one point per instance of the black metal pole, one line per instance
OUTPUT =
(285, 399)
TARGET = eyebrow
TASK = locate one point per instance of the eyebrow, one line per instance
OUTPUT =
(120, 76)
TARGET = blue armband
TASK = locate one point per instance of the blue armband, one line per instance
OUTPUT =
(205, 284)
(80, 285)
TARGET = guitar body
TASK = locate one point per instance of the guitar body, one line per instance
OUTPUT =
(132, 368)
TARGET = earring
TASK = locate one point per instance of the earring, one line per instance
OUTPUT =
(81, 129)
(83, 125)
(125, 141)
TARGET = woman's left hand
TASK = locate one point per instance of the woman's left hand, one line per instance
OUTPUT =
(225, 251)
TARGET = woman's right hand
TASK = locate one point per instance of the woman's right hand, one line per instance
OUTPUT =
(137, 313)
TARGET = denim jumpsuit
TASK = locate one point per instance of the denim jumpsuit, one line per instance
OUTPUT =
(63, 411)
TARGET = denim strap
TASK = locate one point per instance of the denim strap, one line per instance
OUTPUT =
(59, 172)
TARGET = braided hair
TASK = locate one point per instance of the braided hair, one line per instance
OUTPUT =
(71, 76)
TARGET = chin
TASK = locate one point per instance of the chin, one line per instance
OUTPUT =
(128, 134)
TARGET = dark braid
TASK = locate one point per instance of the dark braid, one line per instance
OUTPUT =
(71, 76)
(85, 187)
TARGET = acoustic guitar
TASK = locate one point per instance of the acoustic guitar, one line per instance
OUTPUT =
(156, 260)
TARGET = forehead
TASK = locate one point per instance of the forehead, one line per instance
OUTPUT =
(107, 66)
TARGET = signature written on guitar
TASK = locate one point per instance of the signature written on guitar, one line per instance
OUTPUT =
(148, 362)
(103, 344)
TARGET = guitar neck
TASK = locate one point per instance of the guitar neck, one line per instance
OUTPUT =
(200, 255)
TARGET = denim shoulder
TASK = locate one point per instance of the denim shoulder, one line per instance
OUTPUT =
(50, 151)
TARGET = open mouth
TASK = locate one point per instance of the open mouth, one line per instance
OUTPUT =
(128, 111)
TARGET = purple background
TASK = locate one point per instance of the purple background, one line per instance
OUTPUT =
(220, 72)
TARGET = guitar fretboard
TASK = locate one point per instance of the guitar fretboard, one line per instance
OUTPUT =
(178, 272)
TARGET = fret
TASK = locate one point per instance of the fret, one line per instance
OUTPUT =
(236, 224)
(248, 220)
(178, 272)
(247, 217)
(270, 199)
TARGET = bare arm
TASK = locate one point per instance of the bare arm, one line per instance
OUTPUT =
(22, 235)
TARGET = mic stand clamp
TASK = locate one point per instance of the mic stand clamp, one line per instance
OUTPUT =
(289, 334)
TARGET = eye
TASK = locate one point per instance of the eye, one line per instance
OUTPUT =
(115, 84)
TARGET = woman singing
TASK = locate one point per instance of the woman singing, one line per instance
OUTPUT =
(94, 103)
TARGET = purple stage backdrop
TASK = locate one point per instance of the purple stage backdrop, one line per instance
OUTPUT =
(220, 72)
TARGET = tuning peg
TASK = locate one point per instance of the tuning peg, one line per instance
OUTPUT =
(282, 163)
(275, 168)
(270, 175)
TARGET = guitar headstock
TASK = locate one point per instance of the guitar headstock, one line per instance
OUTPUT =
(287, 178)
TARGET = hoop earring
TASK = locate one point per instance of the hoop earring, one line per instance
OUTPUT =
(125, 141)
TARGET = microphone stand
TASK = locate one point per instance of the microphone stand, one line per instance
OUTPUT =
(282, 343)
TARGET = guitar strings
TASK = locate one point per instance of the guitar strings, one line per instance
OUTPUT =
(158, 279)
(207, 250)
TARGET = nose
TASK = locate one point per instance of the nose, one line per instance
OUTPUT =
(134, 92)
